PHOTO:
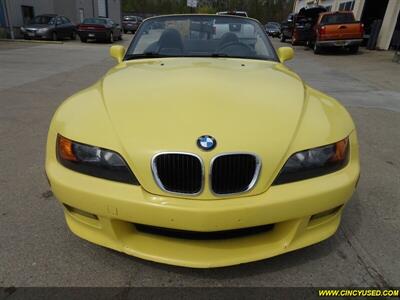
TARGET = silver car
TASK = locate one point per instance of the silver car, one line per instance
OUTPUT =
(49, 27)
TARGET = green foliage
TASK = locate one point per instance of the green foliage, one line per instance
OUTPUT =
(263, 10)
(155, 6)
(206, 9)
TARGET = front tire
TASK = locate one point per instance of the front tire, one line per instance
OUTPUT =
(111, 38)
(317, 49)
(54, 36)
(83, 39)
(283, 38)
(73, 35)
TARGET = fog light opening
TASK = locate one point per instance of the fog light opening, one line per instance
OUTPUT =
(81, 212)
(326, 213)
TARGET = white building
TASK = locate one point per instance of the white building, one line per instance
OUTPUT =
(367, 11)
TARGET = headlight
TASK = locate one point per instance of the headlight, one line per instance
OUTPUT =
(314, 162)
(22, 29)
(93, 161)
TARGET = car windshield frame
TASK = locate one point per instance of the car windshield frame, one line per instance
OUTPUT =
(129, 54)
(271, 26)
(49, 20)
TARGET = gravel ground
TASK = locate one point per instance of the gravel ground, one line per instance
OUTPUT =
(37, 249)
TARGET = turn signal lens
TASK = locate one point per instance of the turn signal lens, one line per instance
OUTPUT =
(65, 149)
(340, 151)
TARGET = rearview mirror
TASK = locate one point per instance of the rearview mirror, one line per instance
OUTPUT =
(285, 53)
(117, 52)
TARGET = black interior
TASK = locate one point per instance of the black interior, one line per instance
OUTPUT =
(171, 43)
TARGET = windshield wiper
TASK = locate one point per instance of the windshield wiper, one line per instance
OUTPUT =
(231, 56)
(144, 55)
(158, 55)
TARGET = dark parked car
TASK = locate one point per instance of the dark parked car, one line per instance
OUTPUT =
(273, 29)
(99, 29)
(49, 27)
(276, 24)
(287, 28)
(131, 23)
(305, 22)
(300, 27)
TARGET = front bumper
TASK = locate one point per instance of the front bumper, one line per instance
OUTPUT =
(93, 35)
(36, 35)
(340, 43)
(294, 209)
(130, 27)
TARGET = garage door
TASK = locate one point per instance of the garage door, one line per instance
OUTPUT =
(102, 8)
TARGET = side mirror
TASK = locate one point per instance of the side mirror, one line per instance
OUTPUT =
(117, 52)
(285, 53)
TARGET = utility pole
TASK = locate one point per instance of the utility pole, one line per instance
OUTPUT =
(294, 5)
(9, 23)
(192, 4)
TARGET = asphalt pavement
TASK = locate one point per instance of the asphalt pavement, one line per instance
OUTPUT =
(37, 249)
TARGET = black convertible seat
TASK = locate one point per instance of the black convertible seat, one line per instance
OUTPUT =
(170, 40)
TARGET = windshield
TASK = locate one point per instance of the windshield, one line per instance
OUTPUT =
(201, 36)
(95, 21)
(271, 26)
(42, 20)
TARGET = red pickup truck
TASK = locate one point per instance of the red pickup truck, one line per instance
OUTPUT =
(338, 29)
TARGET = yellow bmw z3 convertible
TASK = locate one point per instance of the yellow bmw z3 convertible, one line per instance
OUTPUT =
(201, 149)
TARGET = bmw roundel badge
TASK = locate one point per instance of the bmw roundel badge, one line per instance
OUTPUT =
(206, 143)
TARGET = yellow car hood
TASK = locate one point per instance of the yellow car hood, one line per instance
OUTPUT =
(165, 105)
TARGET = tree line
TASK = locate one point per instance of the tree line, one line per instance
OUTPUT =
(263, 10)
